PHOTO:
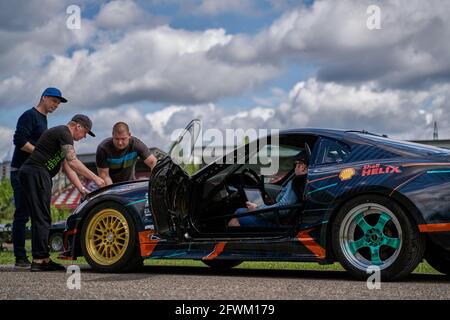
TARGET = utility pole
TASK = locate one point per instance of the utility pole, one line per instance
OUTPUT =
(435, 133)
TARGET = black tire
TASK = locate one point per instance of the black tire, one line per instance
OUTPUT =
(128, 259)
(438, 258)
(372, 231)
(222, 264)
(56, 242)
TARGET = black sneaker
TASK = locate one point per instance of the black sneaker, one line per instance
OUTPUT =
(47, 266)
(22, 263)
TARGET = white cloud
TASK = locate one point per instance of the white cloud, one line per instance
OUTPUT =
(25, 15)
(163, 64)
(394, 80)
(263, 114)
(408, 51)
(312, 103)
(160, 64)
(26, 56)
(119, 14)
(398, 113)
(216, 7)
(159, 119)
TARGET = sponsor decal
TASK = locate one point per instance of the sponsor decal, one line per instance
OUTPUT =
(347, 174)
(55, 160)
(375, 169)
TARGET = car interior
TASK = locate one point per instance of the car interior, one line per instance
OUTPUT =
(222, 193)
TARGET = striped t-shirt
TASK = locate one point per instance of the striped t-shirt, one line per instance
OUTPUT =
(121, 163)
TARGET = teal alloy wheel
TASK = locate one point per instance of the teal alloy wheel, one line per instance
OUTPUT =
(372, 232)
(370, 235)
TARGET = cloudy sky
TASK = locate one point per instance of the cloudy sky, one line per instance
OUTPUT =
(157, 64)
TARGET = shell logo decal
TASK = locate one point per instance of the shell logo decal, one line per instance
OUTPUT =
(347, 174)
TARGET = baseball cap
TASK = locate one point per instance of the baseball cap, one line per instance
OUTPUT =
(54, 92)
(84, 121)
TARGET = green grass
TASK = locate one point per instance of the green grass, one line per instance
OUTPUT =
(423, 267)
(7, 257)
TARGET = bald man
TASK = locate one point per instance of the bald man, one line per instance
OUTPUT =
(117, 156)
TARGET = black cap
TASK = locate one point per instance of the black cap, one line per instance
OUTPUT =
(84, 121)
(301, 156)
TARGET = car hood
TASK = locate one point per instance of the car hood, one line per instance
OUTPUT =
(118, 188)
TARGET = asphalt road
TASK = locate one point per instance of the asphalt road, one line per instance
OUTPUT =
(159, 282)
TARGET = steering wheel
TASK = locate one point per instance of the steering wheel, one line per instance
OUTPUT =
(255, 181)
(249, 173)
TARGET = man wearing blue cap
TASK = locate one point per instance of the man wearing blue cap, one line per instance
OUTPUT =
(30, 126)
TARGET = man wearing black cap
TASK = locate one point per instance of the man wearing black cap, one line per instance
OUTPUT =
(30, 126)
(290, 194)
(53, 150)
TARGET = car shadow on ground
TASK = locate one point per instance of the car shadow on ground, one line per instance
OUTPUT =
(148, 271)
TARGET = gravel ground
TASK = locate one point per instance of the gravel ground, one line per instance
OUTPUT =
(185, 283)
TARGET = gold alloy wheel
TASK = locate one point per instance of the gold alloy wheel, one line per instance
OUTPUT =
(107, 237)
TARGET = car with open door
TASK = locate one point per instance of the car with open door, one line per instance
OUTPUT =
(369, 201)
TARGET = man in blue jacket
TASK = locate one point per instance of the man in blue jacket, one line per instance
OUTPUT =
(290, 194)
(30, 126)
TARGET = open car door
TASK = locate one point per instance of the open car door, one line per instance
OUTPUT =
(169, 184)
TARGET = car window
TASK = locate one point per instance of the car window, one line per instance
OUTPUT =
(332, 151)
(285, 153)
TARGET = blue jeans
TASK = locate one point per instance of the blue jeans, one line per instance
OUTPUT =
(21, 217)
(252, 221)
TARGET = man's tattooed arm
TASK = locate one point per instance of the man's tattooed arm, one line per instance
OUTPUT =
(69, 152)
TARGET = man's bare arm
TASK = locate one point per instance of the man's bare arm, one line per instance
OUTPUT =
(151, 161)
(104, 174)
(27, 147)
(78, 166)
(73, 177)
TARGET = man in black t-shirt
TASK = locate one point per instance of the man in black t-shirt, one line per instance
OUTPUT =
(117, 156)
(30, 126)
(53, 150)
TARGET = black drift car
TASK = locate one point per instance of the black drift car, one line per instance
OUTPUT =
(369, 202)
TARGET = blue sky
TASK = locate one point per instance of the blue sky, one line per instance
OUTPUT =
(232, 63)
